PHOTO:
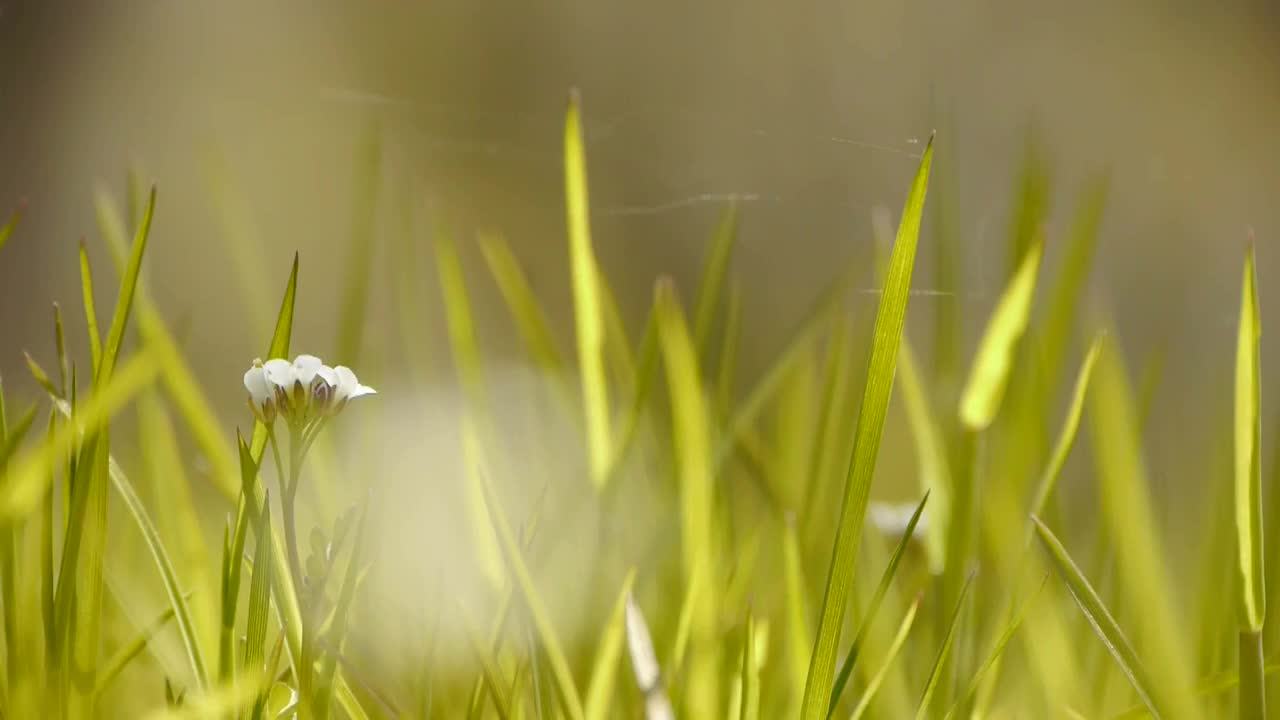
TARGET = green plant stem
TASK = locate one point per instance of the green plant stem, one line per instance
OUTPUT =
(1253, 704)
(297, 448)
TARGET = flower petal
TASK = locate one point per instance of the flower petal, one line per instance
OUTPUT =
(347, 382)
(255, 381)
(305, 367)
(279, 373)
(326, 373)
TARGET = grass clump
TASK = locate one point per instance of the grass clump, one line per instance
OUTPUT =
(715, 537)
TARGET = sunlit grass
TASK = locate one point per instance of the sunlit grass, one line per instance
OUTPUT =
(693, 544)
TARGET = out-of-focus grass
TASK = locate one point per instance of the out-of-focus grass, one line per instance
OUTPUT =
(524, 541)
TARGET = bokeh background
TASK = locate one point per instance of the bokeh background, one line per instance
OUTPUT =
(257, 121)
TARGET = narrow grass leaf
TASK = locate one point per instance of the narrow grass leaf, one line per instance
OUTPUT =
(873, 608)
(983, 392)
(1067, 434)
(994, 655)
(895, 647)
(259, 591)
(931, 455)
(799, 627)
(90, 312)
(944, 652)
(1099, 617)
(116, 664)
(489, 670)
(124, 301)
(713, 273)
(526, 310)
(866, 446)
(604, 671)
(1057, 326)
(588, 313)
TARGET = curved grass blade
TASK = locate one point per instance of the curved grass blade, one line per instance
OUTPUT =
(713, 274)
(1070, 428)
(182, 613)
(604, 672)
(587, 303)
(529, 316)
(233, 562)
(983, 392)
(568, 692)
(124, 301)
(873, 608)
(948, 640)
(799, 629)
(875, 404)
(279, 348)
(489, 670)
(1099, 617)
(899, 639)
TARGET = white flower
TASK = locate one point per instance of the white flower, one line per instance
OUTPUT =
(892, 519)
(303, 391)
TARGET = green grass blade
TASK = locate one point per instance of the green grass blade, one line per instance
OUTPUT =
(90, 313)
(1248, 463)
(691, 430)
(713, 274)
(993, 362)
(895, 647)
(279, 348)
(1070, 427)
(565, 686)
(182, 612)
(587, 303)
(233, 563)
(730, 342)
(873, 608)
(931, 455)
(944, 652)
(124, 301)
(799, 627)
(259, 591)
(1099, 617)
(875, 405)
(1130, 524)
(604, 671)
(1031, 208)
(529, 316)
(336, 634)
(1214, 684)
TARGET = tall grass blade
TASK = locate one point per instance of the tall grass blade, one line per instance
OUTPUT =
(1248, 497)
(259, 592)
(587, 303)
(116, 664)
(604, 671)
(873, 608)
(691, 431)
(1099, 617)
(1058, 323)
(1067, 434)
(799, 627)
(931, 455)
(895, 647)
(944, 652)
(124, 301)
(875, 403)
(90, 312)
(993, 656)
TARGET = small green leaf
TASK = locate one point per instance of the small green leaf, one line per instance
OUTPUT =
(980, 400)
(1070, 427)
(90, 314)
(588, 313)
(866, 445)
(713, 274)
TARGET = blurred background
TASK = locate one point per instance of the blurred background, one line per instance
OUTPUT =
(258, 123)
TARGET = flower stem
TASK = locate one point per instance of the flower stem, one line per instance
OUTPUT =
(297, 449)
